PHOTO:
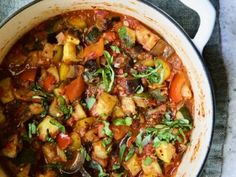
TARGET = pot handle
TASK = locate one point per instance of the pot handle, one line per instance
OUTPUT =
(207, 15)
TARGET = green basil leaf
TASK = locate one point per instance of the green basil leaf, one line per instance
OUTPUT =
(127, 121)
(66, 109)
(60, 126)
(106, 130)
(97, 166)
(115, 49)
(90, 102)
(130, 153)
(122, 151)
(106, 141)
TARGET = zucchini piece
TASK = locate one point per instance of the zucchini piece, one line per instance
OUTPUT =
(166, 151)
(162, 48)
(53, 154)
(54, 109)
(6, 92)
(46, 128)
(133, 165)
(48, 50)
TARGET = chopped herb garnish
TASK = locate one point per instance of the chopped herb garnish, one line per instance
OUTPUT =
(66, 109)
(115, 49)
(60, 126)
(90, 102)
(106, 130)
(152, 74)
(147, 161)
(139, 89)
(97, 166)
(107, 72)
(122, 151)
(126, 35)
(115, 166)
(32, 129)
(127, 121)
(130, 153)
(106, 141)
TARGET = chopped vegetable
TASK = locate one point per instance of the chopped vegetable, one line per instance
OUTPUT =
(32, 129)
(151, 167)
(12, 146)
(6, 94)
(165, 151)
(69, 53)
(48, 126)
(106, 130)
(28, 75)
(133, 165)
(127, 121)
(99, 150)
(130, 153)
(65, 109)
(75, 89)
(94, 50)
(122, 151)
(98, 167)
(146, 37)
(63, 141)
(77, 22)
(105, 105)
(90, 102)
(176, 86)
(108, 74)
(127, 35)
(79, 112)
(128, 105)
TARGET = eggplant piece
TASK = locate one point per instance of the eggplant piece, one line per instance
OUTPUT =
(51, 38)
(110, 22)
(133, 85)
(93, 35)
(91, 65)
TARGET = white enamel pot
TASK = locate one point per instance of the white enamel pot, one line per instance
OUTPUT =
(190, 51)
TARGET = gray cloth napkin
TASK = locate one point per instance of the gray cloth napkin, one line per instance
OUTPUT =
(213, 59)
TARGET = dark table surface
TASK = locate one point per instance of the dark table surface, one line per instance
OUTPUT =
(213, 59)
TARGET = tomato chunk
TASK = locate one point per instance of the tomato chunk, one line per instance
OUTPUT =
(176, 86)
(28, 75)
(75, 89)
(63, 141)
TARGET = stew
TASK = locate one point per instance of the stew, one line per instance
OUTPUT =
(96, 83)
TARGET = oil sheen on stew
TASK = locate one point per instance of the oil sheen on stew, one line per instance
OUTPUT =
(95, 83)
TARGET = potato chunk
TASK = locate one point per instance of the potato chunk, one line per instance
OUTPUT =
(12, 147)
(69, 52)
(133, 165)
(105, 105)
(166, 151)
(79, 112)
(99, 151)
(151, 170)
(146, 37)
(6, 94)
(128, 105)
(46, 127)
(53, 153)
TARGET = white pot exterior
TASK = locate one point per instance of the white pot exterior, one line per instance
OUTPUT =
(203, 106)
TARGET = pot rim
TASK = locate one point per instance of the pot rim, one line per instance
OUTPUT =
(180, 28)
